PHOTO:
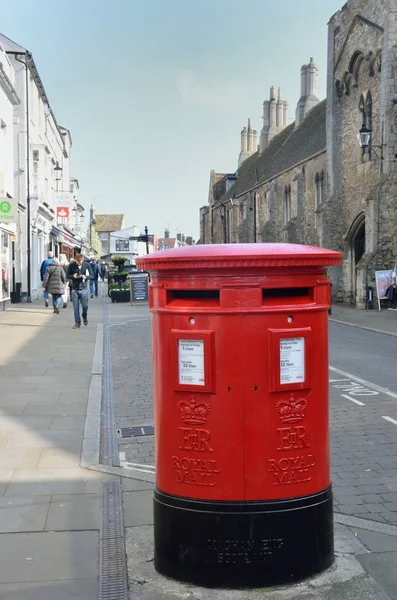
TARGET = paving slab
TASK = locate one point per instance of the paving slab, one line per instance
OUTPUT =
(79, 589)
(58, 458)
(28, 557)
(60, 409)
(5, 477)
(74, 512)
(53, 481)
(383, 567)
(23, 397)
(45, 439)
(23, 513)
(72, 396)
(70, 423)
(19, 458)
(138, 508)
(26, 422)
(13, 409)
(377, 542)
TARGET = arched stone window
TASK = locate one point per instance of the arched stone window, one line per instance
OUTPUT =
(287, 204)
(368, 109)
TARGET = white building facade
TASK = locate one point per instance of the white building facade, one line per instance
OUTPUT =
(9, 99)
(122, 245)
(41, 150)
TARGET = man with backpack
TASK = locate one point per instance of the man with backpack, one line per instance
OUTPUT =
(44, 265)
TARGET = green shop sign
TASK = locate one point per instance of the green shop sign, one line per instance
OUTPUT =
(8, 210)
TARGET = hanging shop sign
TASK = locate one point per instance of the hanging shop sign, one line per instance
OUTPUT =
(8, 210)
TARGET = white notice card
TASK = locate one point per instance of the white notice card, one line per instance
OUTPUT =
(191, 362)
(292, 360)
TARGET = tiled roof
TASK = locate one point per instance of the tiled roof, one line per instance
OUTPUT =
(289, 148)
(167, 243)
(109, 222)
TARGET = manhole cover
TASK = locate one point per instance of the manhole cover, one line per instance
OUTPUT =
(125, 432)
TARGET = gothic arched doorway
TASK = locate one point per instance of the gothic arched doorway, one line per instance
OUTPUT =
(357, 241)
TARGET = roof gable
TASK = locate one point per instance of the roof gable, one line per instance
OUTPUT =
(289, 148)
(109, 222)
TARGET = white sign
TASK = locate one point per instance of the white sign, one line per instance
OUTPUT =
(41, 223)
(8, 210)
(292, 360)
(191, 362)
(64, 199)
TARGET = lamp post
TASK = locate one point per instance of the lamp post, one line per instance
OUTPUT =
(365, 141)
(58, 174)
(92, 223)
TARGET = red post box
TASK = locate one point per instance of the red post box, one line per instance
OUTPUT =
(240, 333)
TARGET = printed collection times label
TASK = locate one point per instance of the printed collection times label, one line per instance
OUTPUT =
(191, 362)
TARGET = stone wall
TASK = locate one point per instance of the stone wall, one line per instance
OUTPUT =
(361, 185)
(358, 211)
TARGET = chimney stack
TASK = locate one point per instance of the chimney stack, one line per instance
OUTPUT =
(167, 233)
(248, 143)
(275, 118)
(308, 99)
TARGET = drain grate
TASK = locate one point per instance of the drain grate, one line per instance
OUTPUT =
(126, 432)
(112, 558)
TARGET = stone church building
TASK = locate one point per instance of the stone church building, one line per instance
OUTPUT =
(311, 182)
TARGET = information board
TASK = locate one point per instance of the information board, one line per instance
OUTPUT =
(139, 289)
(292, 360)
(383, 282)
(191, 362)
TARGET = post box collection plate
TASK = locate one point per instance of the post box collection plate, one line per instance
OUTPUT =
(243, 495)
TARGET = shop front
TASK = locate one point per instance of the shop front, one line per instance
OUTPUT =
(5, 265)
(67, 243)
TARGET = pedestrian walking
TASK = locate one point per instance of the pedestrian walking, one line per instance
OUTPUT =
(79, 274)
(94, 280)
(63, 261)
(103, 271)
(44, 265)
(54, 283)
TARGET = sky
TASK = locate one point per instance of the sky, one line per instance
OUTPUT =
(156, 92)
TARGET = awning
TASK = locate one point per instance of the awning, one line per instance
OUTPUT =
(66, 238)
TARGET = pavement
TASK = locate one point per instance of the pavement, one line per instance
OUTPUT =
(378, 321)
(52, 382)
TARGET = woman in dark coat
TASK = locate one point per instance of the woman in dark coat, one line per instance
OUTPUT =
(54, 282)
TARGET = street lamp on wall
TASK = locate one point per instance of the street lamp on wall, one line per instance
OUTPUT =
(365, 141)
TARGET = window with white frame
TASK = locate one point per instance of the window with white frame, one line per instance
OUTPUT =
(3, 148)
(35, 172)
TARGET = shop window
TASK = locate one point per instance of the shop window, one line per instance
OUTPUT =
(5, 262)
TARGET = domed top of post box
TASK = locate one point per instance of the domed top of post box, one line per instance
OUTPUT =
(239, 255)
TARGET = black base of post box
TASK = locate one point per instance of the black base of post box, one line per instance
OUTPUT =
(243, 544)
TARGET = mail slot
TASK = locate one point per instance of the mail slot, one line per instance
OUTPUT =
(243, 493)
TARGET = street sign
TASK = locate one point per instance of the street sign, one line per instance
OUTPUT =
(64, 199)
(63, 212)
(8, 210)
(122, 245)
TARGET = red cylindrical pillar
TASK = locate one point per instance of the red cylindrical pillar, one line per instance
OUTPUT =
(240, 346)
